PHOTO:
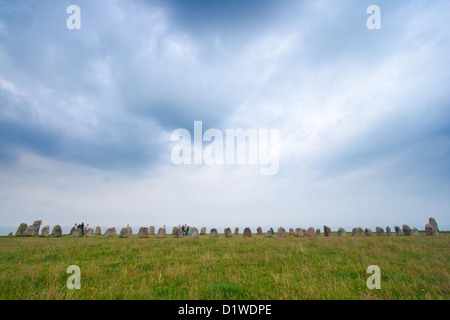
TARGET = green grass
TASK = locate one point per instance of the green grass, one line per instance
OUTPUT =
(225, 268)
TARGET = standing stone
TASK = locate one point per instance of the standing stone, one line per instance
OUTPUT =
(326, 231)
(33, 230)
(299, 232)
(130, 231)
(415, 232)
(152, 230)
(98, 231)
(248, 233)
(291, 232)
(161, 233)
(398, 231)
(111, 232)
(430, 230)
(368, 232)
(143, 232)
(177, 232)
(57, 231)
(236, 231)
(213, 233)
(281, 233)
(194, 232)
(406, 230)
(227, 233)
(357, 232)
(259, 230)
(379, 231)
(268, 234)
(174, 230)
(271, 231)
(434, 224)
(45, 231)
(203, 231)
(317, 232)
(76, 233)
(89, 232)
(10, 234)
(124, 233)
(388, 231)
(310, 232)
(342, 232)
(21, 229)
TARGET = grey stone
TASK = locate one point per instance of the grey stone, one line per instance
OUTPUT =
(236, 231)
(259, 230)
(379, 231)
(203, 231)
(317, 232)
(430, 230)
(194, 232)
(110, 232)
(45, 231)
(161, 233)
(21, 229)
(368, 232)
(271, 231)
(227, 233)
(291, 232)
(357, 232)
(310, 232)
(415, 232)
(57, 231)
(33, 230)
(268, 234)
(398, 231)
(76, 233)
(326, 231)
(152, 230)
(143, 232)
(213, 233)
(177, 232)
(10, 234)
(89, 232)
(299, 232)
(406, 230)
(248, 233)
(281, 233)
(124, 233)
(342, 232)
(434, 224)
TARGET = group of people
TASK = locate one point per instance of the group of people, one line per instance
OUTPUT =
(184, 230)
(79, 226)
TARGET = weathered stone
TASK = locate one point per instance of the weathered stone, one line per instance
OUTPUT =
(130, 230)
(194, 232)
(388, 231)
(174, 230)
(357, 232)
(299, 232)
(415, 232)
(317, 232)
(57, 231)
(76, 233)
(227, 233)
(271, 231)
(203, 231)
(152, 230)
(398, 231)
(10, 234)
(21, 229)
(98, 231)
(248, 233)
(291, 232)
(177, 232)
(310, 232)
(259, 230)
(379, 231)
(326, 231)
(406, 230)
(434, 224)
(33, 230)
(430, 230)
(213, 233)
(161, 233)
(342, 232)
(124, 233)
(143, 232)
(89, 232)
(45, 231)
(368, 232)
(110, 232)
(268, 234)
(281, 233)
(236, 231)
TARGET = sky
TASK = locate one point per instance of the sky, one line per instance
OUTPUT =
(87, 115)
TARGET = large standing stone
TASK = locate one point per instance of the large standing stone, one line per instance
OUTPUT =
(33, 230)
(10, 234)
(76, 233)
(291, 232)
(161, 233)
(281, 233)
(398, 231)
(203, 231)
(143, 232)
(358, 232)
(89, 232)
(57, 231)
(194, 232)
(379, 231)
(45, 231)
(368, 232)
(213, 233)
(248, 233)
(430, 230)
(326, 231)
(227, 233)
(21, 229)
(271, 231)
(268, 234)
(434, 224)
(388, 231)
(236, 231)
(259, 230)
(98, 231)
(415, 232)
(124, 233)
(152, 230)
(299, 232)
(130, 230)
(110, 232)
(342, 232)
(310, 232)
(317, 232)
(174, 230)
(406, 230)
(177, 232)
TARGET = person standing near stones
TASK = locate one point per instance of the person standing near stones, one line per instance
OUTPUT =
(187, 231)
(82, 228)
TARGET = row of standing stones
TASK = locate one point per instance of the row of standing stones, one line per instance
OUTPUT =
(431, 229)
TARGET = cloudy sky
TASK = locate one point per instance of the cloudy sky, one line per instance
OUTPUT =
(86, 115)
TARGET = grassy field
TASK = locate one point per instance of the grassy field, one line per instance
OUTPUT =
(225, 268)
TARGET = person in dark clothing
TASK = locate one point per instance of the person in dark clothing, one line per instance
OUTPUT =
(82, 228)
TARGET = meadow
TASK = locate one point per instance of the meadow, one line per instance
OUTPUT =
(225, 268)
